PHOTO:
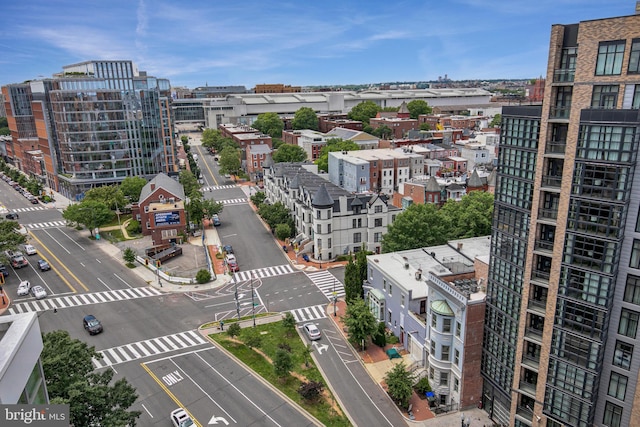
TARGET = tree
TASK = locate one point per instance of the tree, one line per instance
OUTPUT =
(270, 124)
(383, 132)
(4, 126)
(110, 195)
(234, 330)
(189, 182)
(289, 323)
(305, 118)
(10, 239)
(91, 214)
(352, 282)
(400, 384)
(420, 225)
(282, 363)
(334, 144)
(425, 126)
(417, 107)
(274, 214)
(496, 121)
(306, 354)
(210, 207)
(359, 320)
(364, 111)
(379, 338)
(230, 161)
(203, 276)
(258, 198)
(131, 187)
(184, 139)
(361, 264)
(283, 231)
(472, 216)
(194, 209)
(129, 256)
(210, 137)
(70, 379)
(289, 153)
(252, 338)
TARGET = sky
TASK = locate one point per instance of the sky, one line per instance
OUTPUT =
(297, 42)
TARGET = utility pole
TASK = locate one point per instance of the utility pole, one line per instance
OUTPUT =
(335, 297)
(253, 304)
(237, 302)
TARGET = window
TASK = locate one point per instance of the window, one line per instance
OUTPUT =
(318, 214)
(445, 353)
(328, 228)
(458, 329)
(390, 289)
(378, 209)
(446, 326)
(605, 96)
(434, 320)
(632, 289)
(378, 222)
(634, 58)
(612, 415)
(456, 384)
(329, 244)
(617, 386)
(628, 325)
(635, 103)
(389, 316)
(635, 255)
(357, 237)
(377, 237)
(622, 355)
(255, 164)
(610, 58)
(402, 300)
(444, 378)
(319, 227)
(433, 348)
(431, 372)
(456, 356)
(384, 285)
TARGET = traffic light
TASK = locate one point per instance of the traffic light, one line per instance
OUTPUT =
(158, 263)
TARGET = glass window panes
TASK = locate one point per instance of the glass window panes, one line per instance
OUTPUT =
(610, 56)
(612, 415)
(635, 255)
(604, 96)
(632, 289)
(628, 325)
(617, 386)
(634, 58)
(446, 326)
(622, 355)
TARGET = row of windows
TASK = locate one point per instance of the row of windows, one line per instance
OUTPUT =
(574, 411)
(522, 132)
(607, 143)
(606, 182)
(571, 378)
(515, 192)
(611, 55)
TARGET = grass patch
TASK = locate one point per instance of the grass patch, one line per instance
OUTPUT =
(233, 320)
(273, 335)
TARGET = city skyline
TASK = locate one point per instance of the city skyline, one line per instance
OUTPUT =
(332, 43)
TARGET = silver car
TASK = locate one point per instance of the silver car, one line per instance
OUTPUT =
(38, 292)
(312, 331)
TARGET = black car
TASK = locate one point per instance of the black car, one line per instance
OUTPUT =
(91, 324)
(3, 270)
(43, 265)
(228, 249)
(12, 215)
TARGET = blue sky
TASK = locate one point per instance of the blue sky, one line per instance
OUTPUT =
(297, 42)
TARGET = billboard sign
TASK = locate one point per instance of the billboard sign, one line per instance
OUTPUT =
(167, 218)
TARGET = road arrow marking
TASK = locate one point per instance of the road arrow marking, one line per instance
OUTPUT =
(319, 347)
(214, 420)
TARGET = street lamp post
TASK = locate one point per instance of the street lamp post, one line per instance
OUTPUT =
(237, 302)
(320, 259)
(253, 305)
(335, 298)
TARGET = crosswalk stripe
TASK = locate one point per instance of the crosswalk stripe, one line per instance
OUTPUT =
(261, 273)
(82, 299)
(132, 351)
(327, 282)
(306, 314)
(50, 224)
(150, 345)
(233, 201)
(167, 341)
(113, 355)
(140, 347)
(161, 344)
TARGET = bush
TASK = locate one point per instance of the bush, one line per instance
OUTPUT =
(311, 390)
(234, 329)
(422, 386)
(379, 338)
(343, 257)
(392, 339)
(134, 227)
(203, 276)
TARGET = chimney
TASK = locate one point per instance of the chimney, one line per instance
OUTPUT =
(459, 246)
(153, 186)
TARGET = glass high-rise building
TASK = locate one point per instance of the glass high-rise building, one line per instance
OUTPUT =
(561, 341)
(95, 123)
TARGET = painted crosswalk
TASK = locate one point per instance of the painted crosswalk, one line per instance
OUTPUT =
(151, 347)
(41, 225)
(327, 283)
(307, 314)
(218, 187)
(233, 201)
(260, 273)
(83, 299)
(29, 209)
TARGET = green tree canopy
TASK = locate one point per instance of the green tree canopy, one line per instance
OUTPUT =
(230, 161)
(274, 214)
(472, 216)
(496, 121)
(210, 207)
(90, 213)
(194, 209)
(283, 231)
(258, 198)
(359, 320)
(110, 195)
(334, 144)
(383, 132)
(131, 187)
(10, 239)
(418, 226)
(364, 111)
(270, 124)
(282, 363)
(4, 126)
(352, 282)
(400, 384)
(417, 107)
(70, 379)
(305, 118)
(289, 153)
(189, 183)
(425, 126)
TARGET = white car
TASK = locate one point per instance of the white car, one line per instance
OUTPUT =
(312, 331)
(180, 418)
(23, 288)
(38, 292)
(30, 250)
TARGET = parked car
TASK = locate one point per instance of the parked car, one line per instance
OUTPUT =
(91, 324)
(216, 220)
(30, 250)
(3, 270)
(24, 288)
(18, 260)
(43, 265)
(38, 292)
(180, 418)
(231, 262)
(12, 215)
(312, 331)
(227, 249)
(34, 201)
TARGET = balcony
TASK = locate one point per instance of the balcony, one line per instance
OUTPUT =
(560, 112)
(555, 147)
(553, 181)
(538, 305)
(548, 213)
(524, 414)
(531, 362)
(544, 245)
(534, 333)
(540, 275)
(529, 388)
(566, 75)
